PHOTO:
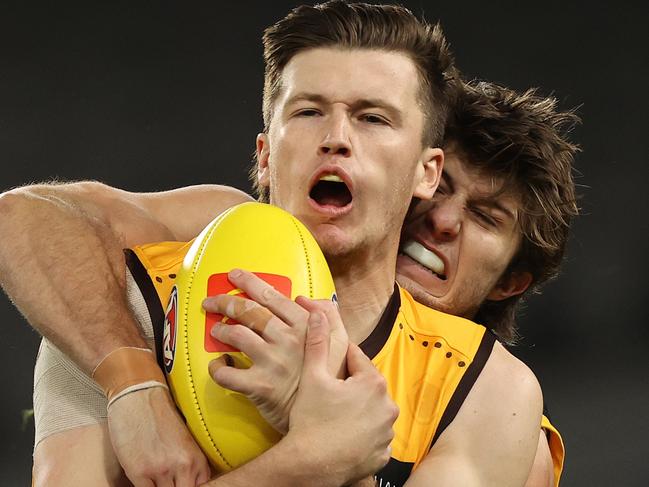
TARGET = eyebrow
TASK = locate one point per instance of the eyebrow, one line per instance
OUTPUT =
(494, 203)
(305, 96)
(485, 201)
(360, 104)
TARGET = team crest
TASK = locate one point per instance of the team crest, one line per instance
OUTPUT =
(170, 329)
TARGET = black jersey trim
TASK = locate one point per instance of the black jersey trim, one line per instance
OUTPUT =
(375, 341)
(546, 411)
(156, 312)
(394, 474)
(466, 383)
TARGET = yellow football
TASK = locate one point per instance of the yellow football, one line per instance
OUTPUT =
(278, 248)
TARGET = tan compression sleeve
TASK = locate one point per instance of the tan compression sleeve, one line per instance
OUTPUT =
(126, 368)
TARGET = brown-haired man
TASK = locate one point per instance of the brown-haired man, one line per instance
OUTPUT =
(506, 147)
(498, 224)
(371, 117)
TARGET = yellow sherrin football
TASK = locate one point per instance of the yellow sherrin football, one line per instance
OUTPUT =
(278, 248)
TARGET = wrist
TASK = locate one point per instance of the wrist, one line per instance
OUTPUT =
(310, 463)
(126, 370)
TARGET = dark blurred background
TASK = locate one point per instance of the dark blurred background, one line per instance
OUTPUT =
(153, 95)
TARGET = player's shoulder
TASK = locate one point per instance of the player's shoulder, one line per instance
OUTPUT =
(505, 400)
(187, 210)
(214, 196)
(515, 380)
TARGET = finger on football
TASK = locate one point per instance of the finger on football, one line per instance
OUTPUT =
(241, 338)
(238, 380)
(266, 295)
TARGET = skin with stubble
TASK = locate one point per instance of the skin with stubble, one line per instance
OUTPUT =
(367, 130)
(456, 249)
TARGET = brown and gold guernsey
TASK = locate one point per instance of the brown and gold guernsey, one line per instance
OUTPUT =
(429, 359)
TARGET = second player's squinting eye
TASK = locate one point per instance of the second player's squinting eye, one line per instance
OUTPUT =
(485, 217)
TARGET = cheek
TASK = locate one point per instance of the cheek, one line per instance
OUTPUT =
(393, 176)
(484, 258)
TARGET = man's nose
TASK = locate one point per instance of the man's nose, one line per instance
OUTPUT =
(336, 140)
(445, 219)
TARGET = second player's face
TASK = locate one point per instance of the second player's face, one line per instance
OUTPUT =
(344, 152)
(455, 249)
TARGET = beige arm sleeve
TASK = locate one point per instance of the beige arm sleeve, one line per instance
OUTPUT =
(64, 396)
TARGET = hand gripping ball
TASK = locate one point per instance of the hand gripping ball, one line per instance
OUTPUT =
(278, 248)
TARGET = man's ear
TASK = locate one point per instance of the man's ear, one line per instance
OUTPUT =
(429, 172)
(512, 284)
(263, 153)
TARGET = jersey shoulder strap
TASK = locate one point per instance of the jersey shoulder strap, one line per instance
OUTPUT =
(557, 448)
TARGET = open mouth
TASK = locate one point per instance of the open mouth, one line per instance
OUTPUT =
(331, 190)
(425, 258)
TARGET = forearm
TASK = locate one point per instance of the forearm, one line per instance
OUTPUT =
(366, 482)
(292, 461)
(63, 267)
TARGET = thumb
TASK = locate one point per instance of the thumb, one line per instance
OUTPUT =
(316, 347)
(357, 361)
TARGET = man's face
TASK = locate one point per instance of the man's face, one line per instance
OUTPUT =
(455, 249)
(344, 149)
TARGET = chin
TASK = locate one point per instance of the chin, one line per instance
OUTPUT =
(422, 296)
(335, 249)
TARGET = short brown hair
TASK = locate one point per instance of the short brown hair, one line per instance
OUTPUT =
(523, 139)
(363, 26)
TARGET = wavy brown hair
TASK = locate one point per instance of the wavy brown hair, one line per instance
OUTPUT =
(362, 26)
(522, 139)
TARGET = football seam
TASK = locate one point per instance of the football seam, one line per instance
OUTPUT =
(190, 282)
(306, 256)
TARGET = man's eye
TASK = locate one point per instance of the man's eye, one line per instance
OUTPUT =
(308, 112)
(488, 219)
(374, 119)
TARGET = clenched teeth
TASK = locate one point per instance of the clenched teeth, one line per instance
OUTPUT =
(423, 256)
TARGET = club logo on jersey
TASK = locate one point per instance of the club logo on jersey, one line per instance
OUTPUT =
(219, 284)
(170, 328)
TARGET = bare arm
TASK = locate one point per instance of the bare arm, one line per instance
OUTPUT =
(61, 262)
(494, 438)
(61, 258)
(542, 473)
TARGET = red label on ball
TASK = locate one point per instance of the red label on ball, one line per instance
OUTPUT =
(219, 284)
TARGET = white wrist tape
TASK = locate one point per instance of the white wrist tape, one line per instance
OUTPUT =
(134, 388)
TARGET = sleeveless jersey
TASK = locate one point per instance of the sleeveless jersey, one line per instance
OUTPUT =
(429, 359)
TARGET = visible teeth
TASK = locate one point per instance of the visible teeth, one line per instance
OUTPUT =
(422, 255)
(331, 177)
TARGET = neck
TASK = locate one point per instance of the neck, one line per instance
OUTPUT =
(364, 285)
